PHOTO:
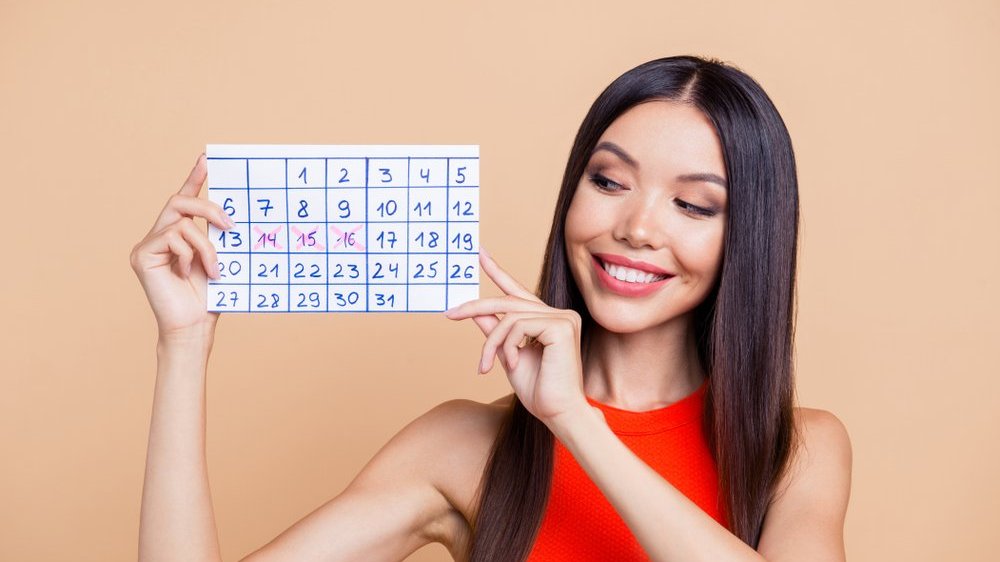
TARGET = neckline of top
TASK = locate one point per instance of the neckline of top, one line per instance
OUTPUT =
(681, 412)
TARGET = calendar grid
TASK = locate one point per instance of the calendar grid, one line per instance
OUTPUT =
(309, 263)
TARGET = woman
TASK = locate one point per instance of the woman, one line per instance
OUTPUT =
(666, 298)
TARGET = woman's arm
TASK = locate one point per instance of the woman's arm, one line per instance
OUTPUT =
(393, 507)
(177, 521)
(805, 522)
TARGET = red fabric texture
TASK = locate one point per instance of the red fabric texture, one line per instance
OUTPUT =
(580, 524)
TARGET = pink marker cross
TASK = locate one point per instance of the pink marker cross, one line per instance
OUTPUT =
(263, 238)
(300, 238)
(348, 238)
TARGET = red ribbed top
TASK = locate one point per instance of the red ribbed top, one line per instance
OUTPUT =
(580, 524)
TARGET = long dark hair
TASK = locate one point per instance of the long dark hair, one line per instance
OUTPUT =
(744, 328)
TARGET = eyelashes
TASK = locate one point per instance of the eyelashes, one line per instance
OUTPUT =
(606, 185)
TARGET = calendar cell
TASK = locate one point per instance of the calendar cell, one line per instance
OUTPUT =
(387, 298)
(386, 268)
(269, 269)
(426, 298)
(232, 240)
(227, 173)
(428, 204)
(233, 268)
(387, 237)
(307, 269)
(347, 298)
(385, 205)
(463, 237)
(428, 172)
(267, 172)
(463, 204)
(268, 205)
(463, 268)
(460, 294)
(463, 172)
(307, 298)
(428, 268)
(428, 237)
(388, 172)
(308, 237)
(233, 203)
(229, 298)
(347, 238)
(345, 205)
(307, 205)
(345, 172)
(347, 270)
(269, 298)
(306, 173)
(269, 237)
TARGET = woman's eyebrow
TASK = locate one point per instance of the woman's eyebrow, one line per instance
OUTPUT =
(617, 151)
(709, 177)
(620, 152)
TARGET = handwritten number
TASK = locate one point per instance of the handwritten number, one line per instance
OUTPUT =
(227, 206)
(345, 208)
(387, 208)
(302, 212)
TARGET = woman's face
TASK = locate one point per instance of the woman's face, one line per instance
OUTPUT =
(644, 231)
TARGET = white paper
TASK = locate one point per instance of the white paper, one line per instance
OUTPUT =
(345, 228)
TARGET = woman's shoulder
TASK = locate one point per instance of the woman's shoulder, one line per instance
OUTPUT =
(451, 443)
(811, 498)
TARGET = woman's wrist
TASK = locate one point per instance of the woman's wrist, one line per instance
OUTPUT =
(192, 339)
(584, 419)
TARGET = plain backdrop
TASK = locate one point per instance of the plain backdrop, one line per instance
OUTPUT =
(105, 105)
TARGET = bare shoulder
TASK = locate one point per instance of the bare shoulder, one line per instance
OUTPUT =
(450, 444)
(822, 437)
(806, 518)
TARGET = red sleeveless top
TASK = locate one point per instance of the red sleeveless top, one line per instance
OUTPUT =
(581, 525)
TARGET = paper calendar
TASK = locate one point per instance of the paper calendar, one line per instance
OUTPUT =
(345, 228)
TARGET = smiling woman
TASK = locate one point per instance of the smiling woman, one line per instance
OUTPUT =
(652, 414)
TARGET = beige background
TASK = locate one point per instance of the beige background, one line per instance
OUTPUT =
(105, 105)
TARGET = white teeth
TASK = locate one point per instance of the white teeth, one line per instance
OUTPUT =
(630, 275)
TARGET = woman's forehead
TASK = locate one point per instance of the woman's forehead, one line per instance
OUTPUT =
(664, 137)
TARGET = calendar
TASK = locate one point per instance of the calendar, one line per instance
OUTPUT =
(345, 228)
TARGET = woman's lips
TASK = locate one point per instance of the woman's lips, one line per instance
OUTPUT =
(625, 288)
(634, 264)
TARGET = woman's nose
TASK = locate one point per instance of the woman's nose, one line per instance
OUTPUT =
(640, 226)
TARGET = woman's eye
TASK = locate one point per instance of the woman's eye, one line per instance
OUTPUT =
(694, 208)
(604, 184)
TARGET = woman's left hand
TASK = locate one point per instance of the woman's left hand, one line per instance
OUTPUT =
(547, 374)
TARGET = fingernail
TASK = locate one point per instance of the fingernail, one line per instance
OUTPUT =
(483, 251)
(229, 222)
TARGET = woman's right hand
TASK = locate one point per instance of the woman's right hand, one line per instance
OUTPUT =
(176, 257)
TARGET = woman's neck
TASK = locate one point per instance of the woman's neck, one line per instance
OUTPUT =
(642, 370)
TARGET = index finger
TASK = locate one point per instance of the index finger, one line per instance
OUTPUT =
(502, 279)
(192, 185)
